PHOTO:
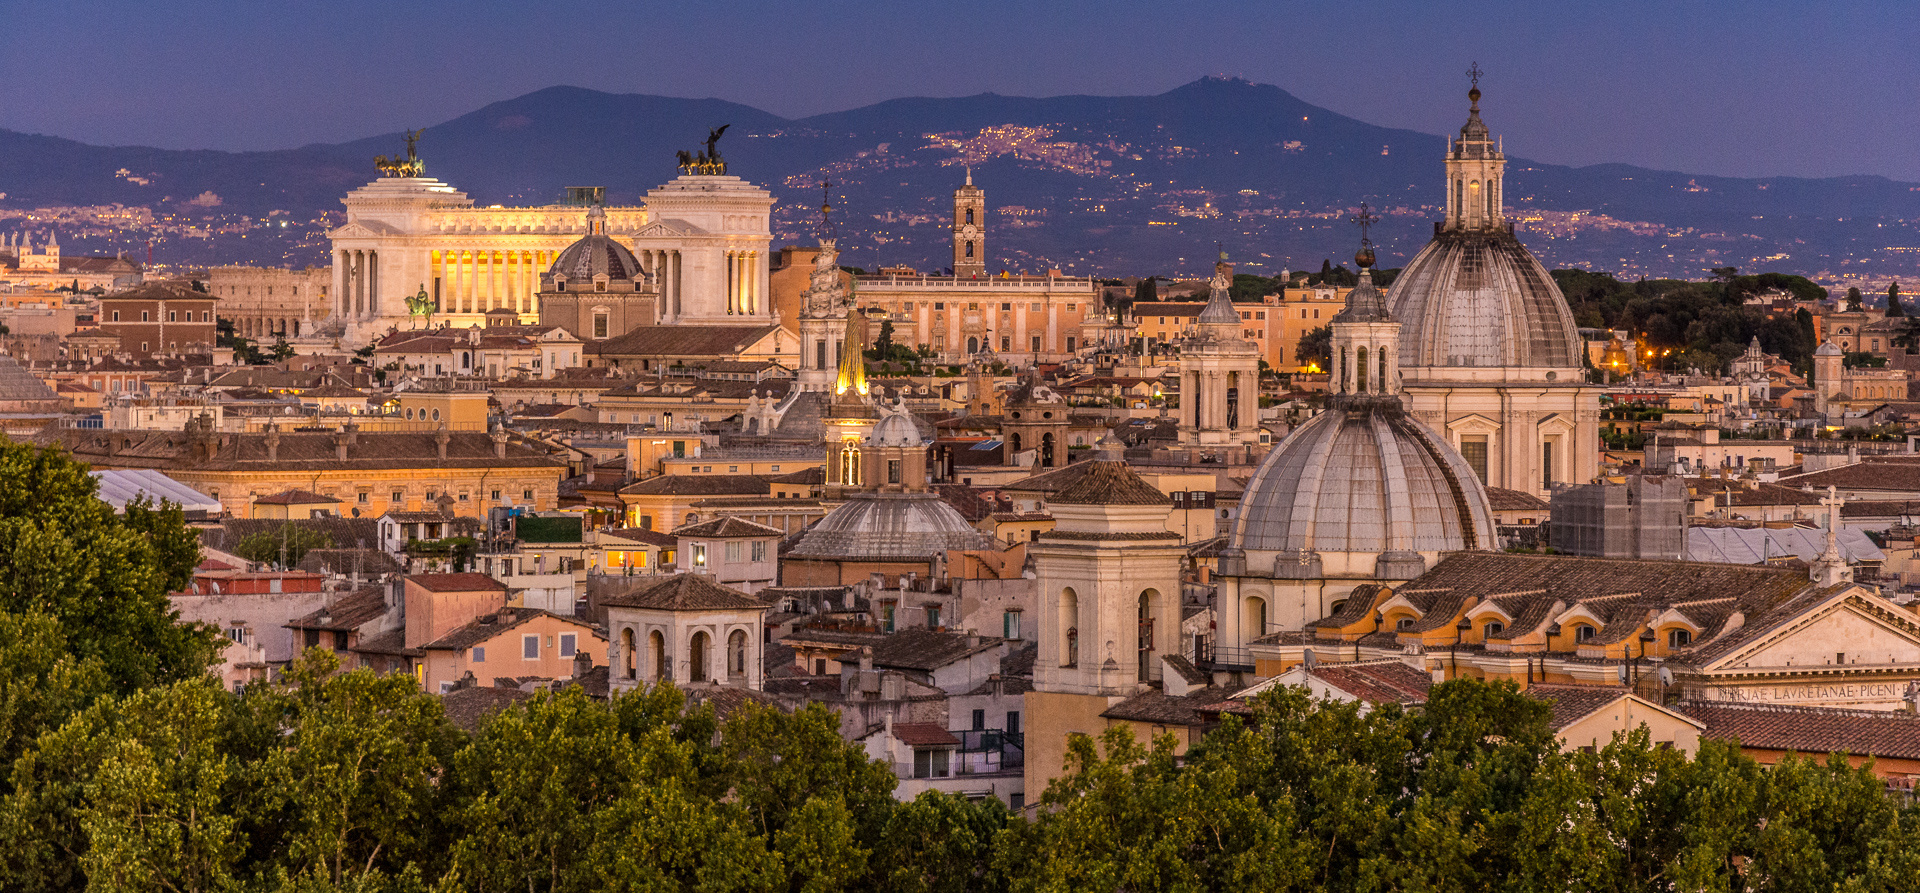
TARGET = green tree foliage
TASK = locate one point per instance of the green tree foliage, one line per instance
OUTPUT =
(1706, 324)
(282, 545)
(104, 578)
(1893, 301)
(1316, 346)
(1146, 291)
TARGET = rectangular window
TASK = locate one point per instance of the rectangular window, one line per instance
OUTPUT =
(930, 763)
(1546, 465)
(143, 316)
(979, 720)
(937, 305)
(1473, 448)
(699, 554)
(733, 552)
(1070, 345)
(396, 496)
(527, 494)
(760, 550)
(893, 471)
(886, 618)
(1013, 722)
(1036, 344)
(1006, 343)
(569, 642)
(495, 496)
(116, 316)
(933, 618)
(1010, 625)
(530, 647)
(363, 498)
(479, 654)
(1006, 306)
(174, 316)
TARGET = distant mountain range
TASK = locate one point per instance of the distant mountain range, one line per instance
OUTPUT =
(1109, 185)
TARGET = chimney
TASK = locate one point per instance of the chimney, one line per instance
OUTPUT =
(499, 437)
(340, 441)
(582, 663)
(440, 440)
(273, 442)
(353, 432)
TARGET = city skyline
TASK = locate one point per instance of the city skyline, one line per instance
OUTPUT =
(1720, 89)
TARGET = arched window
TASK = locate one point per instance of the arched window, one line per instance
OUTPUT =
(1679, 638)
(737, 655)
(1360, 371)
(1253, 612)
(969, 244)
(969, 220)
(973, 345)
(1582, 633)
(1493, 628)
(657, 644)
(1046, 450)
(626, 651)
(1403, 623)
(1069, 628)
(1146, 614)
(697, 658)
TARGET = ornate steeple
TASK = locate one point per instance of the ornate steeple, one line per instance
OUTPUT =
(1831, 568)
(1366, 339)
(851, 383)
(1475, 172)
(1218, 318)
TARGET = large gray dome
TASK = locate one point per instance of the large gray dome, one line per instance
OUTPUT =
(888, 527)
(1364, 476)
(1479, 298)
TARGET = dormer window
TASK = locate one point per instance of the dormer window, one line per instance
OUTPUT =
(559, 285)
(1493, 628)
(1403, 623)
(1583, 634)
(1679, 638)
(600, 285)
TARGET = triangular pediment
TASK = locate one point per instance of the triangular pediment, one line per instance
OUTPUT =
(1864, 627)
(667, 228)
(362, 230)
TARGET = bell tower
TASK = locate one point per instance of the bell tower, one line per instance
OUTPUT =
(1476, 170)
(1219, 379)
(969, 231)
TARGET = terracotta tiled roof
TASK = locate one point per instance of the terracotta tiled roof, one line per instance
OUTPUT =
(1867, 475)
(699, 485)
(469, 707)
(295, 497)
(644, 537)
(346, 613)
(1572, 703)
(1158, 707)
(1809, 730)
(683, 592)
(728, 527)
(1108, 482)
(682, 341)
(923, 734)
(814, 475)
(1384, 682)
(306, 451)
(1504, 500)
(919, 648)
(487, 627)
(457, 583)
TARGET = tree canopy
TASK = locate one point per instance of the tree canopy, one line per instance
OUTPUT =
(1708, 323)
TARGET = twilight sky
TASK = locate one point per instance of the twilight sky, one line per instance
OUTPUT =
(1753, 88)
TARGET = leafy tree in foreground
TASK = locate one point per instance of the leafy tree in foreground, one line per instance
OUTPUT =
(104, 578)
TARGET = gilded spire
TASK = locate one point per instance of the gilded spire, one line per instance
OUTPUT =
(852, 379)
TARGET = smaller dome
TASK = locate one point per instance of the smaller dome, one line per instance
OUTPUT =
(596, 254)
(897, 429)
(1827, 349)
(888, 527)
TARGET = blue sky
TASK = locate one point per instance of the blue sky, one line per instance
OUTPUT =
(1757, 88)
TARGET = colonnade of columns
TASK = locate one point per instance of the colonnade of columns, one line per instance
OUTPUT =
(664, 266)
(743, 284)
(476, 281)
(356, 284)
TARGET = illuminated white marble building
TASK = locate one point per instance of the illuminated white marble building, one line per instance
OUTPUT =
(702, 238)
